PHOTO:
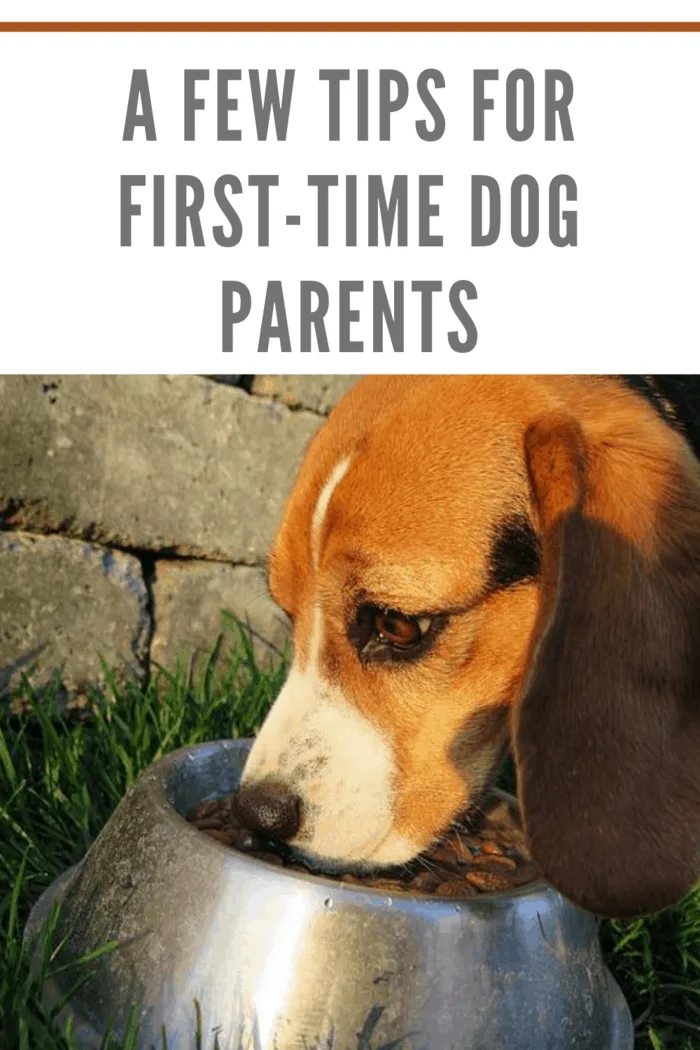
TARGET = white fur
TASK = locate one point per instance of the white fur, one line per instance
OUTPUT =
(317, 742)
(332, 757)
(321, 508)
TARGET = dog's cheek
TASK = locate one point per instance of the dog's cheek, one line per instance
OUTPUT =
(425, 814)
(452, 731)
(482, 738)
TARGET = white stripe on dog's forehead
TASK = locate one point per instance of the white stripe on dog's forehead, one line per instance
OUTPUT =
(321, 508)
(315, 639)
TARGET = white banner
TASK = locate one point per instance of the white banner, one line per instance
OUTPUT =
(366, 202)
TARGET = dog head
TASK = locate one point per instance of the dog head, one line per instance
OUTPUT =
(468, 560)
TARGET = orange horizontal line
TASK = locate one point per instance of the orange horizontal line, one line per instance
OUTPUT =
(350, 27)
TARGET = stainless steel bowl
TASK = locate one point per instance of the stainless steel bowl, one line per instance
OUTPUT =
(279, 959)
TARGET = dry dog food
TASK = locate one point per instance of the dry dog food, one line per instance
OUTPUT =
(485, 856)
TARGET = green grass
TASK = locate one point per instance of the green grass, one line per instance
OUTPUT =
(61, 778)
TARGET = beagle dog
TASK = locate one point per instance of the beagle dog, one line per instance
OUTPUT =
(473, 562)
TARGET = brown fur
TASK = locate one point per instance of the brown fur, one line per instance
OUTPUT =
(596, 661)
(607, 733)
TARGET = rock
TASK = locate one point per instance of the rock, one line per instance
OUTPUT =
(188, 598)
(161, 463)
(317, 393)
(64, 604)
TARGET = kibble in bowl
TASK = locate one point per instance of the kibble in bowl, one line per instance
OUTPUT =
(484, 855)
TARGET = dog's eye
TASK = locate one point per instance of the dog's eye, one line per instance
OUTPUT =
(387, 635)
(399, 630)
(380, 634)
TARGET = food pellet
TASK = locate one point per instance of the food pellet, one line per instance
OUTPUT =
(492, 862)
(486, 880)
(476, 858)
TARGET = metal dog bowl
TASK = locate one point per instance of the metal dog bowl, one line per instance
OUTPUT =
(279, 959)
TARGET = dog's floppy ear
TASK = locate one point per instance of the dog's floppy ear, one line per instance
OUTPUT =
(606, 733)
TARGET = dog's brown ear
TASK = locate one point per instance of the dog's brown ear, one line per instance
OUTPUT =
(606, 733)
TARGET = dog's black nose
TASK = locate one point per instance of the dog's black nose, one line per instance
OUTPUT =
(269, 808)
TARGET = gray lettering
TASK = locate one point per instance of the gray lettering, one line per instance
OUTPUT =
(315, 317)
(229, 316)
(139, 92)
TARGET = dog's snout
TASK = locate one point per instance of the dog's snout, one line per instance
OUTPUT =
(270, 808)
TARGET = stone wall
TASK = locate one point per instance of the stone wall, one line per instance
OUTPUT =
(134, 509)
